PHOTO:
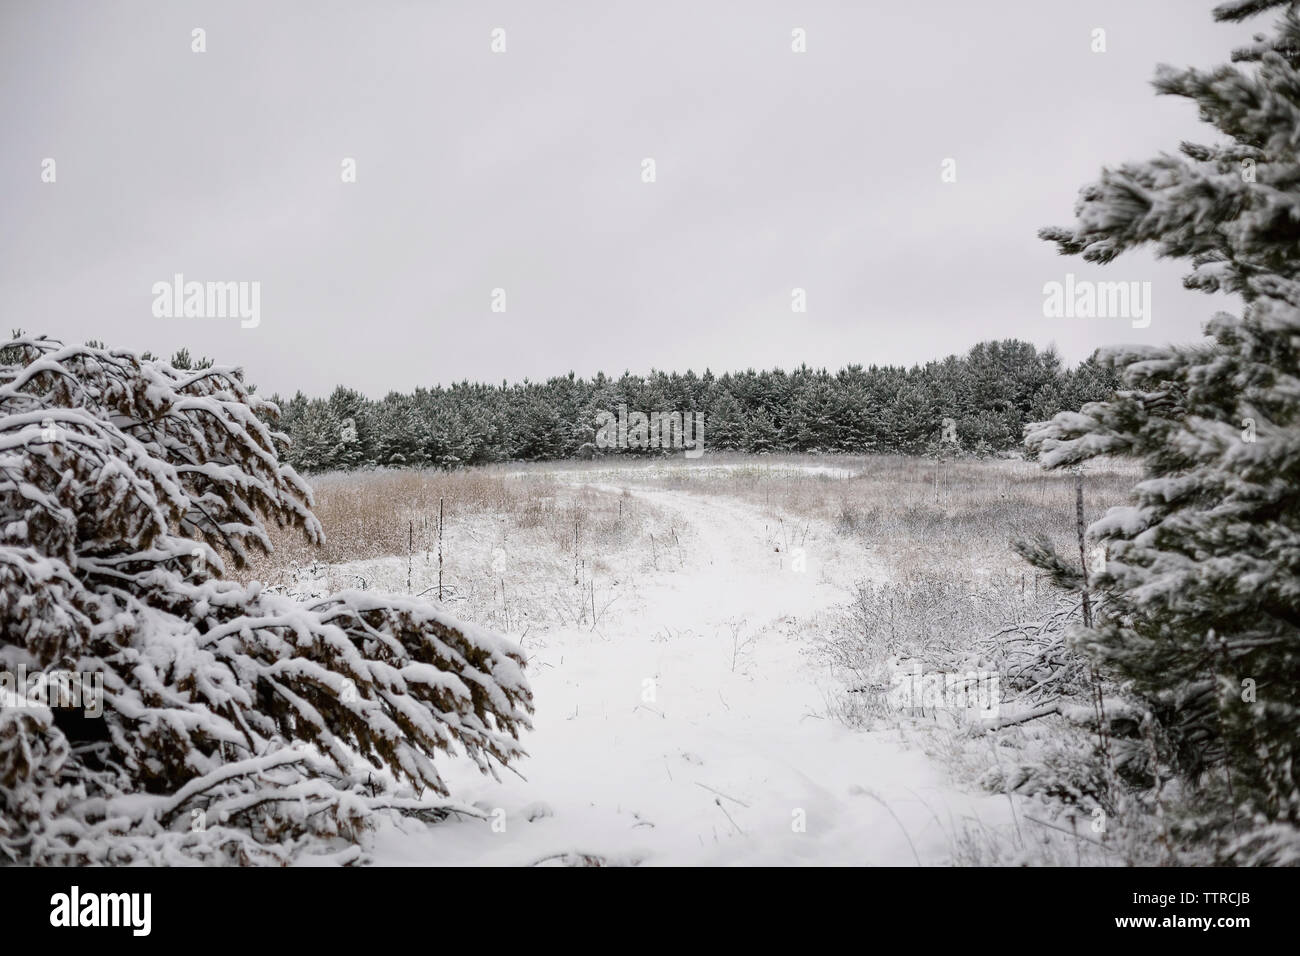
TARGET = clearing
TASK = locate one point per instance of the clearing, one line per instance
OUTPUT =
(683, 720)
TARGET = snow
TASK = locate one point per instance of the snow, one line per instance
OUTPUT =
(690, 727)
(674, 467)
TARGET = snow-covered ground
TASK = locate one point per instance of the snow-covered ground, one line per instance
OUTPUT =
(652, 469)
(690, 725)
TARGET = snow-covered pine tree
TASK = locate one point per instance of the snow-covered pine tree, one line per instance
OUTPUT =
(316, 438)
(1203, 571)
(725, 419)
(238, 725)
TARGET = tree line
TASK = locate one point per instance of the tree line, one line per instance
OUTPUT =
(979, 401)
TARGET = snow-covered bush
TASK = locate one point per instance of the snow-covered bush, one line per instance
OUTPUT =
(237, 725)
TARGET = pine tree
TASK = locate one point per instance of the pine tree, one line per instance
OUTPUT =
(354, 443)
(398, 425)
(234, 725)
(183, 360)
(724, 424)
(761, 435)
(316, 438)
(1203, 570)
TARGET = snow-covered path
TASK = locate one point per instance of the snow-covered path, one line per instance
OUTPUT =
(690, 727)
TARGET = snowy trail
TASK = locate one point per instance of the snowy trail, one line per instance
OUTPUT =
(691, 728)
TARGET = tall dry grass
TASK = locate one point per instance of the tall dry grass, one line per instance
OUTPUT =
(376, 514)
(920, 514)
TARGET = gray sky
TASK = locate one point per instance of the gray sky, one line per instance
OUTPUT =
(522, 171)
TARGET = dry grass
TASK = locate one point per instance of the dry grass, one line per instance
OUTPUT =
(894, 505)
(376, 514)
(949, 535)
(917, 514)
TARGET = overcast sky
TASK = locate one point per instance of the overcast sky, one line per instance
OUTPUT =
(522, 170)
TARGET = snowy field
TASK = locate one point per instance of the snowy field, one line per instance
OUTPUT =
(696, 657)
